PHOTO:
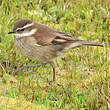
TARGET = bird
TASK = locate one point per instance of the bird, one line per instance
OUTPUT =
(41, 43)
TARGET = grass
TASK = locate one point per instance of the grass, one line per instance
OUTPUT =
(83, 74)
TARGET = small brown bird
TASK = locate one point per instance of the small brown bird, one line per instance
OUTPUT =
(40, 43)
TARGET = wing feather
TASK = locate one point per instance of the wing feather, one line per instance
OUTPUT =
(46, 36)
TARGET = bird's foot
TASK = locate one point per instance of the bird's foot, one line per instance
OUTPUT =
(29, 66)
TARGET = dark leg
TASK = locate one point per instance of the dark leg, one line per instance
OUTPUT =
(53, 66)
(25, 67)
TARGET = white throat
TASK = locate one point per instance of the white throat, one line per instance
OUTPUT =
(25, 34)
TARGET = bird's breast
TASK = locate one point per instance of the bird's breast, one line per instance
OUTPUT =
(24, 47)
(34, 51)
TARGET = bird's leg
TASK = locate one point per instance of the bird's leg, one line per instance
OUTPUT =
(38, 65)
(25, 67)
(53, 66)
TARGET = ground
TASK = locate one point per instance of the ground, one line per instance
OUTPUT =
(82, 75)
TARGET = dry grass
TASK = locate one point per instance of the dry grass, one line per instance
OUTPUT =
(83, 74)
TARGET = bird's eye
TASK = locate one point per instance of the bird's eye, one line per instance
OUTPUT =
(21, 29)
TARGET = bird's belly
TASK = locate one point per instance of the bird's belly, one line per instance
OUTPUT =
(38, 53)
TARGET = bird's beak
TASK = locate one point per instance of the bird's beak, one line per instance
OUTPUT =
(11, 32)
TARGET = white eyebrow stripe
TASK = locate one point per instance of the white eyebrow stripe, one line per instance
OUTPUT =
(28, 25)
(25, 34)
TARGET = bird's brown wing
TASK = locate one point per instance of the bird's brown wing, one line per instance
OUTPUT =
(46, 36)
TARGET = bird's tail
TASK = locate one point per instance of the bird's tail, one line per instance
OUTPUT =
(84, 43)
(92, 44)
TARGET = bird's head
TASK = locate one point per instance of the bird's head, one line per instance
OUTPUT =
(23, 28)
